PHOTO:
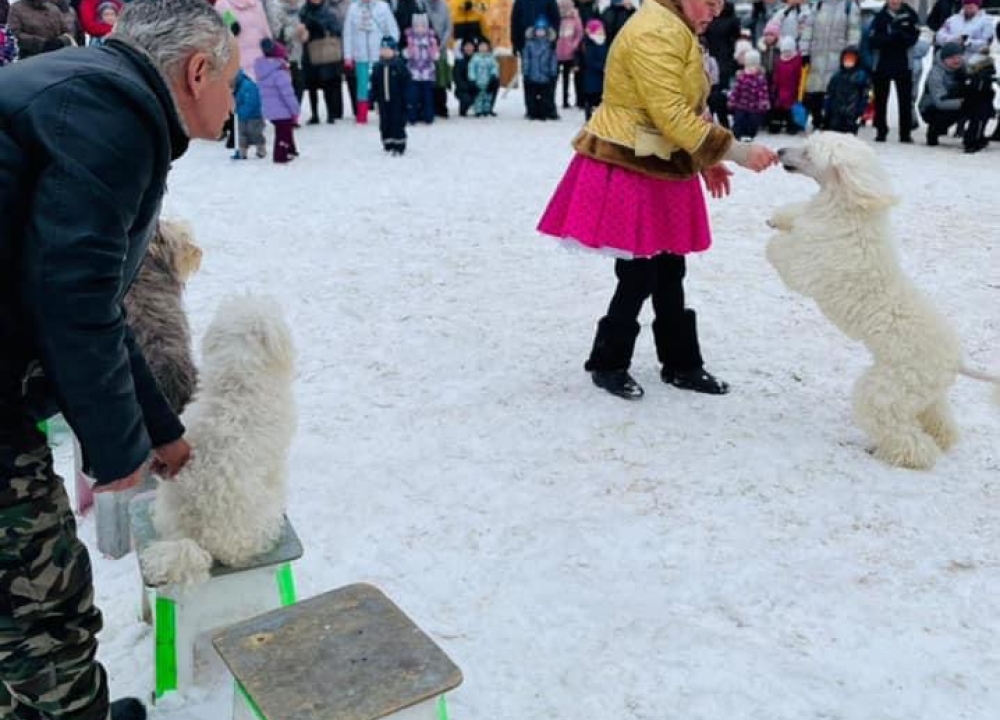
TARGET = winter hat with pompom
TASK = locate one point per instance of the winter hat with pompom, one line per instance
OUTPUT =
(787, 44)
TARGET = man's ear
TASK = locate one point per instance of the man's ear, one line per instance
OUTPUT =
(197, 76)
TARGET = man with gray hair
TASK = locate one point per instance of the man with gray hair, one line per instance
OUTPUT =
(87, 136)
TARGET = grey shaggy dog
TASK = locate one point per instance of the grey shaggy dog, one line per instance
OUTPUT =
(156, 314)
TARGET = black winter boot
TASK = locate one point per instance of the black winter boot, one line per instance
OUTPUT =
(677, 347)
(128, 709)
(618, 382)
(676, 340)
(613, 345)
(611, 356)
(699, 380)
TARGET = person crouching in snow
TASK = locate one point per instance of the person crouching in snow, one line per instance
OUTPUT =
(847, 95)
(484, 73)
(422, 53)
(540, 68)
(390, 86)
(278, 98)
(748, 100)
(249, 117)
(465, 88)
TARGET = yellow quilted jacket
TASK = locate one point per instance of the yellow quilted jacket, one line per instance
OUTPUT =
(655, 89)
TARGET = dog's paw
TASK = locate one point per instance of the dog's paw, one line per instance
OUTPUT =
(914, 451)
(175, 562)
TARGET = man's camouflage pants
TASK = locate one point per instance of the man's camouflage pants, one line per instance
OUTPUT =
(48, 622)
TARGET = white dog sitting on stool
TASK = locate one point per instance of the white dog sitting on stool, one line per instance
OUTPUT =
(837, 249)
(228, 503)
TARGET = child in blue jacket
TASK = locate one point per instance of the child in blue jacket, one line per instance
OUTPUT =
(541, 68)
(250, 117)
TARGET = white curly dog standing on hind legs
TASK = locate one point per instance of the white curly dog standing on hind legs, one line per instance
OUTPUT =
(837, 249)
(228, 504)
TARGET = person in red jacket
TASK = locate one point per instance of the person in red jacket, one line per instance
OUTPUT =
(96, 16)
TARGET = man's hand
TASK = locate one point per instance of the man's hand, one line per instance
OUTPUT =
(717, 180)
(126, 483)
(170, 459)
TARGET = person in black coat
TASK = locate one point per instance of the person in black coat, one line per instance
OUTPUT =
(390, 83)
(894, 30)
(588, 10)
(84, 158)
(720, 39)
(942, 10)
(615, 16)
(403, 11)
(321, 21)
(593, 59)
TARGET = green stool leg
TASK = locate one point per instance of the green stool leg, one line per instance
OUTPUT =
(442, 709)
(286, 592)
(286, 584)
(250, 703)
(165, 620)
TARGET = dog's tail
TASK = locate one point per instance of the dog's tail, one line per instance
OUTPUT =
(978, 375)
(985, 377)
(176, 562)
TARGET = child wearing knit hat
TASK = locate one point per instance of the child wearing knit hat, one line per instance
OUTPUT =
(278, 100)
(749, 99)
(593, 58)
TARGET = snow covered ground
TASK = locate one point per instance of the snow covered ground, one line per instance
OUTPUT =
(581, 557)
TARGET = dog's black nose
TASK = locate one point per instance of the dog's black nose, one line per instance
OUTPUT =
(781, 153)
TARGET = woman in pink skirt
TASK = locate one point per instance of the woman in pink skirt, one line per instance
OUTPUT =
(633, 189)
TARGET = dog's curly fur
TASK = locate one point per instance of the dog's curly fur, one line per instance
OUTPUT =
(837, 249)
(228, 503)
(155, 311)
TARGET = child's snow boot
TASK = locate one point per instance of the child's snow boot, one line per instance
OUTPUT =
(362, 117)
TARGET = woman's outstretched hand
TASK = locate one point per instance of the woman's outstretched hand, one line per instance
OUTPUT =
(717, 180)
(752, 156)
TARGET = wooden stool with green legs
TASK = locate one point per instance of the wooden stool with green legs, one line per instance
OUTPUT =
(348, 654)
(181, 614)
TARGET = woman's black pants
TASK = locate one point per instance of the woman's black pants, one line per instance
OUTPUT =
(674, 327)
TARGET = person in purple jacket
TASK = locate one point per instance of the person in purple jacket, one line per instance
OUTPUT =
(278, 98)
(749, 100)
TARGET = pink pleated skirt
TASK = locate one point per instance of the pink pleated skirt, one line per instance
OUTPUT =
(627, 214)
